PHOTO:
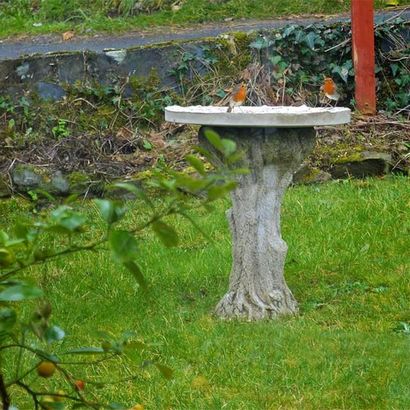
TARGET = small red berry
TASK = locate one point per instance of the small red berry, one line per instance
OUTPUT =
(79, 385)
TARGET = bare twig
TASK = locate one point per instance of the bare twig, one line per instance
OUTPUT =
(343, 43)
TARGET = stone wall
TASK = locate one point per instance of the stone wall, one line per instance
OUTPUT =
(45, 74)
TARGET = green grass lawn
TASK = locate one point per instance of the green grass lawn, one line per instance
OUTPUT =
(23, 16)
(348, 266)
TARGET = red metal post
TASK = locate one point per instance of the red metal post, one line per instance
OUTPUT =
(363, 55)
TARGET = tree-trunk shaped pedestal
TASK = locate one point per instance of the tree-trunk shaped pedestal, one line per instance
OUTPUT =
(257, 286)
(273, 146)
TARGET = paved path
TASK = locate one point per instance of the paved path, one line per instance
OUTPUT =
(12, 49)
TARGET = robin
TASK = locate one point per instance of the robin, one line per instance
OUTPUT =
(237, 97)
(330, 89)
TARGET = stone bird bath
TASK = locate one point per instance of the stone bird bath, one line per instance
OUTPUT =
(275, 140)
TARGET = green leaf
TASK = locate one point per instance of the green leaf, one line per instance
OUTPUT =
(110, 211)
(288, 30)
(147, 145)
(229, 146)
(25, 232)
(220, 93)
(196, 163)
(86, 350)
(169, 185)
(225, 146)
(241, 171)
(260, 43)
(54, 334)
(165, 370)
(188, 217)
(191, 184)
(8, 319)
(394, 68)
(123, 245)
(214, 139)
(216, 192)
(166, 233)
(136, 272)
(41, 192)
(71, 199)
(64, 220)
(275, 59)
(132, 188)
(21, 291)
(203, 152)
(235, 157)
(219, 191)
(48, 356)
(3, 237)
(310, 39)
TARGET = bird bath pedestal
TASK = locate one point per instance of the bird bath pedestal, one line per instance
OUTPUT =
(275, 140)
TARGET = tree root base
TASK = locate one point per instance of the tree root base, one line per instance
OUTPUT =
(250, 306)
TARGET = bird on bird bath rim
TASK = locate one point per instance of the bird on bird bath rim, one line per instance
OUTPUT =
(329, 88)
(238, 96)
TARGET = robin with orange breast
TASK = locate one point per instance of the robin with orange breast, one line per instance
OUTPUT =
(238, 96)
(329, 88)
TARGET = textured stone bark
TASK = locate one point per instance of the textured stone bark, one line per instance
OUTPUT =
(257, 288)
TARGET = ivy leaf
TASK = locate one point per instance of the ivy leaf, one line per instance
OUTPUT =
(220, 93)
(344, 73)
(260, 43)
(275, 59)
(394, 67)
(310, 40)
(288, 30)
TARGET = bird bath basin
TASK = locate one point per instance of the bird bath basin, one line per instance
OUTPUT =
(275, 140)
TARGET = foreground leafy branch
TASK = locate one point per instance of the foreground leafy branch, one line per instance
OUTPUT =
(66, 231)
